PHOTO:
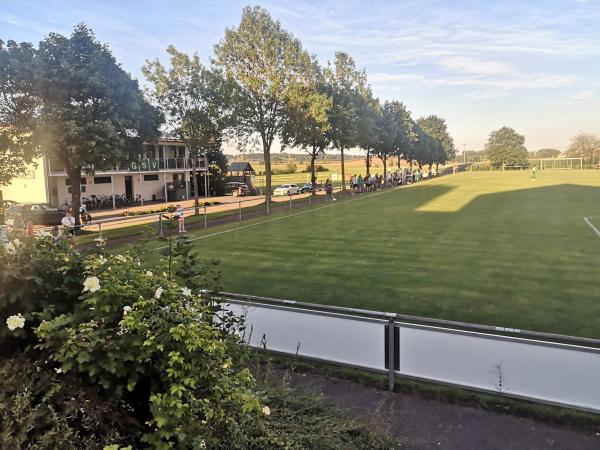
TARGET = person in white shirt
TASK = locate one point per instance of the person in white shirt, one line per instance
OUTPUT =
(68, 223)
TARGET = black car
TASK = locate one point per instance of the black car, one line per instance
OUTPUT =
(236, 189)
(306, 188)
(21, 215)
(4, 204)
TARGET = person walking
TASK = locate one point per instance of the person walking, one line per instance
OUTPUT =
(181, 218)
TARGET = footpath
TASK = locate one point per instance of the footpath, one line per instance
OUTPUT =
(424, 424)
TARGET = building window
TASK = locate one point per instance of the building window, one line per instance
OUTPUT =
(102, 180)
(150, 177)
(161, 152)
(181, 151)
(150, 153)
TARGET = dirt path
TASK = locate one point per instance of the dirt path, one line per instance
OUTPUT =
(432, 424)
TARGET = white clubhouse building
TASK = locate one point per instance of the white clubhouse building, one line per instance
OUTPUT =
(163, 172)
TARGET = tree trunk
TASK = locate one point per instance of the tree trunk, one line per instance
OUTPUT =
(385, 183)
(399, 158)
(313, 176)
(343, 171)
(368, 162)
(195, 184)
(267, 157)
(74, 174)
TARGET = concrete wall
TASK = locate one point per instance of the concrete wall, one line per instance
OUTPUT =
(29, 188)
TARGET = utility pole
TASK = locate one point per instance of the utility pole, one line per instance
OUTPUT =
(464, 153)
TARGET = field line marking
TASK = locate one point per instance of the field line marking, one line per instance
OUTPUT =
(253, 224)
(596, 230)
(280, 218)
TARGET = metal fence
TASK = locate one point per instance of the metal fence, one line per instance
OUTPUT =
(542, 367)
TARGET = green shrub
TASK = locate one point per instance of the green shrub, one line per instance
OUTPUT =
(36, 274)
(154, 342)
(42, 409)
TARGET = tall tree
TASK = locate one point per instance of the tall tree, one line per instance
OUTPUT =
(368, 115)
(265, 64)
(193, 101)
(436, 127)
(19, 144)
(348, 87)
(506, 147)
(93, 113)
(309, 119)
(394, 133)
(586, 146)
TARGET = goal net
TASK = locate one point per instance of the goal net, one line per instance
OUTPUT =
(561, 163)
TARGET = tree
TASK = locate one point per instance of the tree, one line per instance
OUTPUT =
(193, 101)
(436, 127)
(309, 119)
(92, 113)
(265, 64)
(348, 87)
(505, 147)
(217, 167)
(368, 114)
(18, 119)
(546, 153)
(586, 146)
(394, 132)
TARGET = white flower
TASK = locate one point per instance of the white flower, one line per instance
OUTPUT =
(149, 273)
(17, 242)
(14, 322)
(266, 410)
(102, 260)
(44, 234)
(10, 248)
(91, 284)
(202, 444)
(126, 309)
(186, 291)
(59, 370)
(158, 293)
(120, 258)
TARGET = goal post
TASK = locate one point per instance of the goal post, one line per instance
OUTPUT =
(561, 163)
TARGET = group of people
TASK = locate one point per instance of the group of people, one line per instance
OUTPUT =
(370, 182)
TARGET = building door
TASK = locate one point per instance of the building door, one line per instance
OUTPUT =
(129, 186)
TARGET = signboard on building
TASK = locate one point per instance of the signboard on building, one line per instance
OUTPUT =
(143, 165)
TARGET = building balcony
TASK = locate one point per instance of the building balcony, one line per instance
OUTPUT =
(141, 166)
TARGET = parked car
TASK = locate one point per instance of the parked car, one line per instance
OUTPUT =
(306, 188)
(21, 215)
(287, 189)
(236, 189)
(4, 204)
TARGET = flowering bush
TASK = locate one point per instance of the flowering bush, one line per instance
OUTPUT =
(36, 275)
(146, 335)
(149, 340)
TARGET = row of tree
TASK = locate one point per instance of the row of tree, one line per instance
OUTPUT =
(71, 100)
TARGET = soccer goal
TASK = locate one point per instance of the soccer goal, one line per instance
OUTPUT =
(561, 163)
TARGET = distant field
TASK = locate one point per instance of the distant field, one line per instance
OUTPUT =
(494, 248)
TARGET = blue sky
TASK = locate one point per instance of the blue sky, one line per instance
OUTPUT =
(531, 65)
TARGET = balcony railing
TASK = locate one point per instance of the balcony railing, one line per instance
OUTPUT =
(145, 165)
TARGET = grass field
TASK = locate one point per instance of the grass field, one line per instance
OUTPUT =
(491, 247)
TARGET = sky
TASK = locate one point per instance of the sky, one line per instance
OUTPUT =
(530, 65)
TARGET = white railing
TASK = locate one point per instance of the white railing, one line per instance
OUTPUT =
(542, 367)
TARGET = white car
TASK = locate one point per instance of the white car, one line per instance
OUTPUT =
(287, 189)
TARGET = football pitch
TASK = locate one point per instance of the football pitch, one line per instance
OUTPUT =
(494, 248)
